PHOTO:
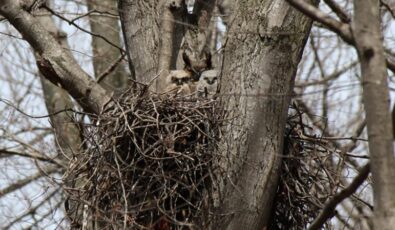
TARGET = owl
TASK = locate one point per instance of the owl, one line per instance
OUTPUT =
(207, 85)
(180, 82)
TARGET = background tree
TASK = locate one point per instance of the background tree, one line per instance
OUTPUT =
(258, 58)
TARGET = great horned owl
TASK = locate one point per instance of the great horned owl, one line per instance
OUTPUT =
(180, 82)
(208, 84)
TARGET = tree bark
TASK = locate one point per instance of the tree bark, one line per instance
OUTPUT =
(58, 66)
(263, 48)
(172, 14)
(67, 134)
(104, 54)
(140, 26)
(369, 45)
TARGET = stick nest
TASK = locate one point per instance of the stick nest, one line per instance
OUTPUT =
(153, 163)
(149, 163)
(311, 172)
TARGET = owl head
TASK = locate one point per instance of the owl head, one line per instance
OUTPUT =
(196, 65)
(210, 77)
(179, 77)
(208, 84)
(179, 81)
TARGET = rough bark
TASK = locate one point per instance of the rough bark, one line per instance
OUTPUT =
(172, 13)
(67, 133)
(369, 45)
(263, 48)
(104, 54)
(140, 25)
(57, 65)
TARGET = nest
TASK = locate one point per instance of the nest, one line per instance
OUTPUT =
(306, 180)
(150, 163)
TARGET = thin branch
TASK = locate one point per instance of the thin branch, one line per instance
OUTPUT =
(21, 183)
(111, 68)
(45, 215)
(389, 6)
(8, 103)
(338, 11)
(32, 210)
(329, 209)
(330, 77)
(91, 12)
(4, 152)
(71, 22)
(340, 28)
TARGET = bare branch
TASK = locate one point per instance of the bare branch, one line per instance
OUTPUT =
(71, 22)
(21, 183)
(57, 65)
(33, 209)
(338, 11)
(4, 152)
(330, 77)
(329, 210)
(110, 69)
(390, 6)
(342, 29)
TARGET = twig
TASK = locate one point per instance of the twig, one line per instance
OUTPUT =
(329, 210)
(84, 30)
(111, 68)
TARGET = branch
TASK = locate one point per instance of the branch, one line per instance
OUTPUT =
(338, 11)
(389, 6)
(21, 183)
(56, 65)
(111, 68)
(4, 152)
(340, 28)
(71, 22)
(329, 209)
(33, 209)
(330, 77)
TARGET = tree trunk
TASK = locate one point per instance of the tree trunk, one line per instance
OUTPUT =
(140, 25)
(104, 54)
(369, 44)
(263, 48)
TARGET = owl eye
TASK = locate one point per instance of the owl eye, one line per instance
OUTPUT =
(174, 79)
(214, 78)
(205, 78)
(185, 79)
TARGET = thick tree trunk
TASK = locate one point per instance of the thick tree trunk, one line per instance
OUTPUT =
(104, 54)
(140, 25)
(369, 44)
(263, 49)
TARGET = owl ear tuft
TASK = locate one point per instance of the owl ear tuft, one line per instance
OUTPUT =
(209, 64)
(187, 61)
